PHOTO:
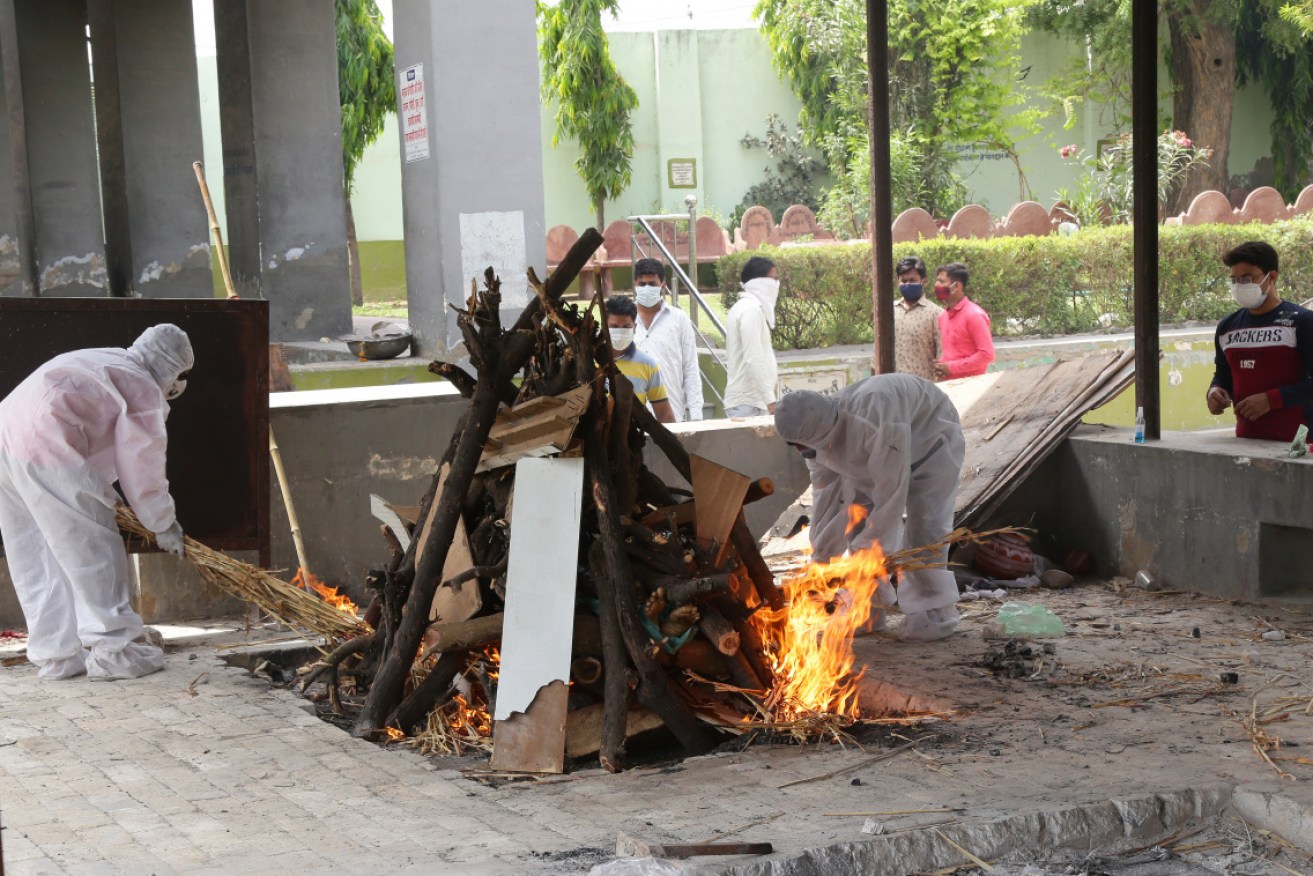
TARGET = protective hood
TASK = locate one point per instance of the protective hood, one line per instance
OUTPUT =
(166, 352)
(765, 291)
(807, 418)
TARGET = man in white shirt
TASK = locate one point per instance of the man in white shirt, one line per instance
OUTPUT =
(666, 334)
(750, 390)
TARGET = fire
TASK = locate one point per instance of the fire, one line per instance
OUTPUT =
(810, 639)
(394, 735)
(306, 580)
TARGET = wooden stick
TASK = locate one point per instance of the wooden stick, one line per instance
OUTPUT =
(893, 752)
(655, 689)
(719, 631)
(586, 670)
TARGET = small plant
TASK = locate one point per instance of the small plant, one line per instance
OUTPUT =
(1105, 195)
(793, 180)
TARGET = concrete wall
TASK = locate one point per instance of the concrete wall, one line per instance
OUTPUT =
(1201, 511)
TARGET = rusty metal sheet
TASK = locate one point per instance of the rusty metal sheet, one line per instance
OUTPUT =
(218, 463)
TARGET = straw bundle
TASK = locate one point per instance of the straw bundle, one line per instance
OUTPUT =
(285, 602)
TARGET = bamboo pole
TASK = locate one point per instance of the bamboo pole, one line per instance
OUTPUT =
(286, 490)
(215, 231)
(274, 452)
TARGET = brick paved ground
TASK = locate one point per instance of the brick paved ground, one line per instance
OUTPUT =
(227, 775)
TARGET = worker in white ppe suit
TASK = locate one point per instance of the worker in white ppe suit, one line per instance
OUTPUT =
(80, 422)
(892, 443)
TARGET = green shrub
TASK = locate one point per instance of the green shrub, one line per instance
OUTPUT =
(1029, 285)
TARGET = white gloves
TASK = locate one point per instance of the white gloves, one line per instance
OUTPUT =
(929, 625)
(171, 540)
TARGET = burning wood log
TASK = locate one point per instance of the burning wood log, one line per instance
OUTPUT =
(719, 631)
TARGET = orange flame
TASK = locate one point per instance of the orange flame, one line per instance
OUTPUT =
(306, 580)
(856, 517)
(810, 640)
(394, 735)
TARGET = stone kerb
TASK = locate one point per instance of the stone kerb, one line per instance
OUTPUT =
(1264, 204)
(754, 228)
(1207, 207)
(1027, 219)
(915, 225)
(972, 220)
(797, 221)
(559, 240)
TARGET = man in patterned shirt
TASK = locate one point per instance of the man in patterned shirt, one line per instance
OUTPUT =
(641, 369)
(916, 323)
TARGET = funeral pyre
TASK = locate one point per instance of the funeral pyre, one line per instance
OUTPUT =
(671, 617)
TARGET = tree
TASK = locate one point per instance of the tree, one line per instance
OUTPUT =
(1300, 14)
(1214, 46)
(367, 91)
(593, 103)
(952, 79)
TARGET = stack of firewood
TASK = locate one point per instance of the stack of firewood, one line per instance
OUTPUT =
(667, 586)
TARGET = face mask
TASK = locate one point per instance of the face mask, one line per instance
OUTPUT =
(912, 291)
(942, 292)
(177, 388)
(1248, 295)
(621, 338)
(647, 296)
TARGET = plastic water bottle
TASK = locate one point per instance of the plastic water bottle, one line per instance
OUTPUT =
(1139, 425)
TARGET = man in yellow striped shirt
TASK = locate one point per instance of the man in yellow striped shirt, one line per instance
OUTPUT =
(641, 369)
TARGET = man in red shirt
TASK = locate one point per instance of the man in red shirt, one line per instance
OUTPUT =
(963, 326)
(1264, 351)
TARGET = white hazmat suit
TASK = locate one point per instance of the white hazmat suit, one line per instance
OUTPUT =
(78, 423)
(892, 443)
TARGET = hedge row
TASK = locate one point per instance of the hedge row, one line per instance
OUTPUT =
(1029, 285)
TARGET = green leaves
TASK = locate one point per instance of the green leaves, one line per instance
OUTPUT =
(953, 80)
(366, 79)
(592, 102)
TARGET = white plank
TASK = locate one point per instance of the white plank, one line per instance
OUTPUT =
(540, 581)
(378, 506)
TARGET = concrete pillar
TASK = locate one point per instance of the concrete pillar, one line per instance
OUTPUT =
(282, 147)
(11, 268)
(679, 116)
(53, 137)
(471, 147)
(148, 122)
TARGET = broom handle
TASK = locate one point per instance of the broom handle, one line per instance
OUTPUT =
(215, 232)
(287, 500)
(273, 444)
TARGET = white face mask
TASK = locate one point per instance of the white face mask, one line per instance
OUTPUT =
(176, 388)
(621, 338)
(1248, 295)
(647, 296)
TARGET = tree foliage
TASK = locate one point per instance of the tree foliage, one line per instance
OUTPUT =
(1099, 77)
(365, 78)
(953, 78)
(794, 178)
(592, 101)
(1273, 49)
(1275, 52)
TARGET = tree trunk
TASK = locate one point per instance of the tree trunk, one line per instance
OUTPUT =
(601, 215)
(353, 255)
(1203, 70)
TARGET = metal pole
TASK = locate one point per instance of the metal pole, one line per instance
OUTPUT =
(1144, 124)
(882, 237)
(691, 202)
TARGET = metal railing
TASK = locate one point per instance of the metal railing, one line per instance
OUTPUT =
(681, 277)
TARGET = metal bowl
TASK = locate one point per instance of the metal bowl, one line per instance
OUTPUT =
(379, 348)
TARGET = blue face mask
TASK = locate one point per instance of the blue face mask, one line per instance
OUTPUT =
(912, 291)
